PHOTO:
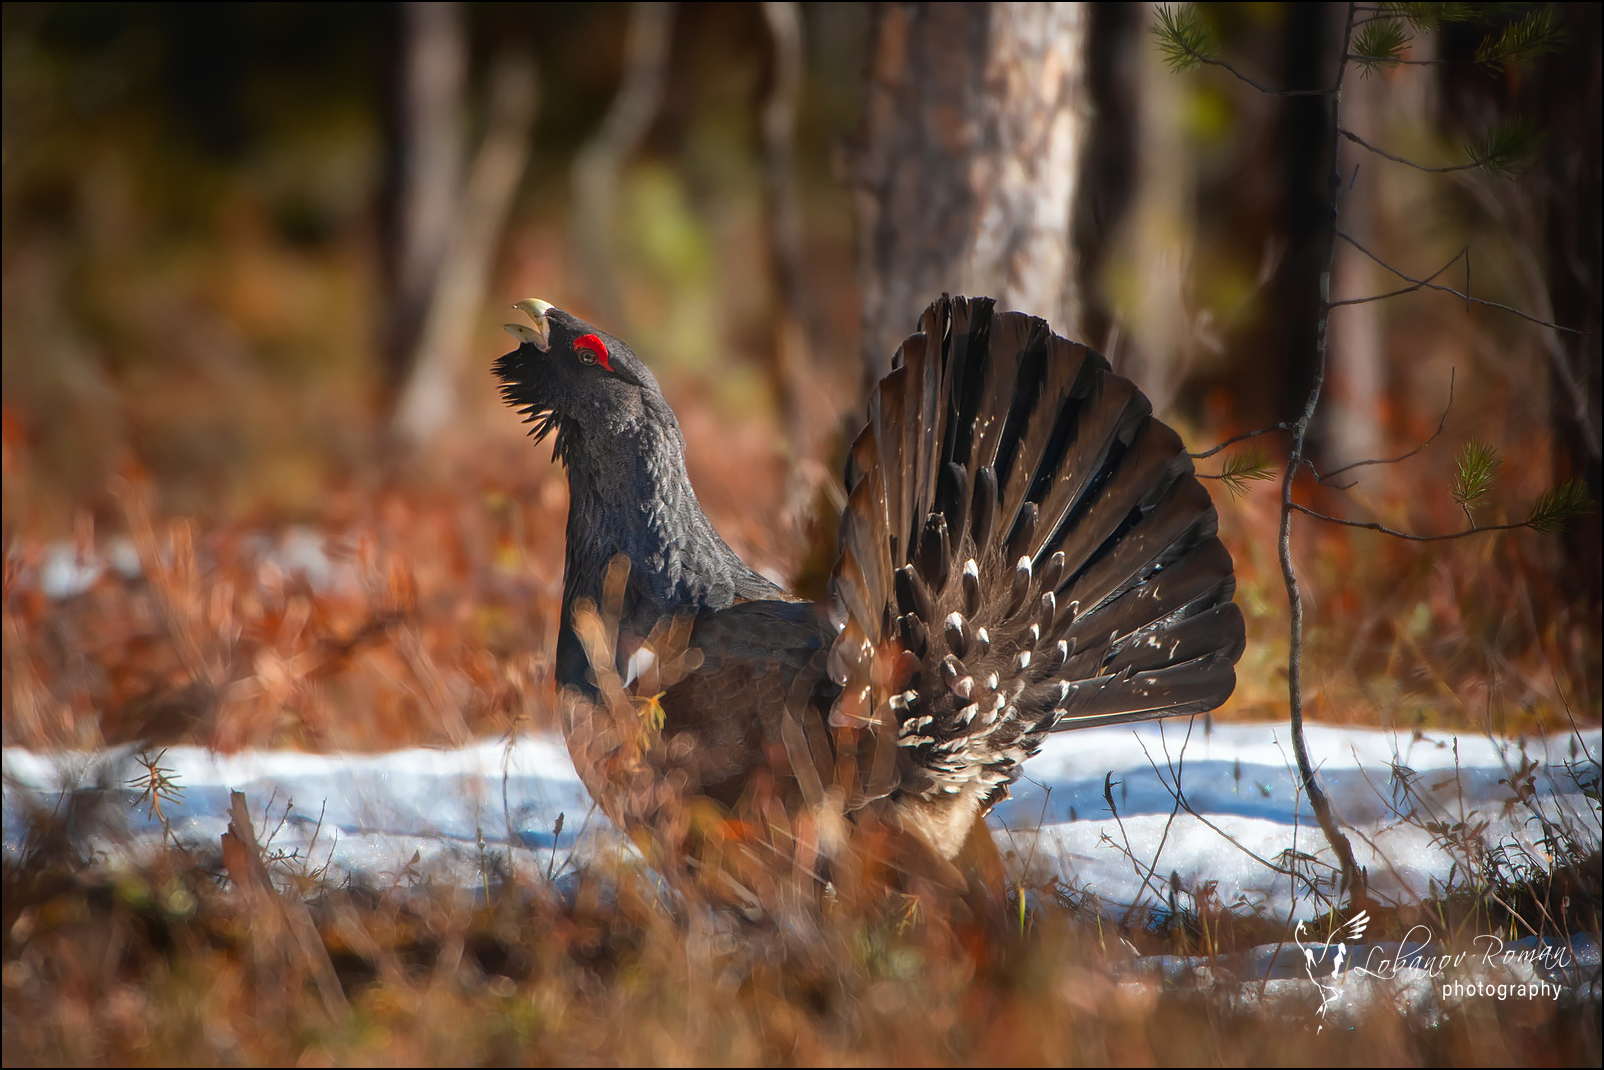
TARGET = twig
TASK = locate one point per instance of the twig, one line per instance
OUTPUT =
(1427, 284)
(1442, 423)
(243, 859)
(1353, 877)
(1268, 90)
(1384, 154)
(1234, 439)
(1372, 526)
(1181, 801)
(556, 837)
(1128, 850)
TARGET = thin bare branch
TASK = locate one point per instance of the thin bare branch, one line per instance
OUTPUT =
(1356, 58)
(1384, 154)
(1427, 284)
(1129, 851)
(1234, 439)
(1177, 793)
(1260, 86)
(1442, 423)
(1353, 877)
(1375, 297)
(1371, 526)
(1315, 472)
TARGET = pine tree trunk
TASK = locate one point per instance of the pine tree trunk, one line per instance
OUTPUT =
(968, 163)
(425, 167)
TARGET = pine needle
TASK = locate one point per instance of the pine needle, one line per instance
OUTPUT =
(1243, 469)
(1379, 44)
(1478, 465)
(1184, 36)
(1556, 508)
(1537, 34)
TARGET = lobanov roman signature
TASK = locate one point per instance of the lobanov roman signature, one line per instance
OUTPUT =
(1341, 946)
(1489, 951)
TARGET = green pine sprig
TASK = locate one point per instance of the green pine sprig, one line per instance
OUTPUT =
(1538, 33)
(1432, 16)
(157, 785)
(1478, 465)
(1558, 507)
(1184, 37)
(1244, 468)
(1379, 44)
(1507, 146)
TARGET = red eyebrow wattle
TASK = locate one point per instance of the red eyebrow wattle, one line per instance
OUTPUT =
(596, 346)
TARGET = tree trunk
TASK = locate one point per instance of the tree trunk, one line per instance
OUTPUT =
(967, 163)
(1153, 254)
(1573, 172)
(1356, 373)
(445, 213)
(429, 401)
(425, 168)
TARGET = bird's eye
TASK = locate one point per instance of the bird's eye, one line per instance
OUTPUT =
(592, 350)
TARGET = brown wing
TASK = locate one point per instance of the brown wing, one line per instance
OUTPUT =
(726, 720)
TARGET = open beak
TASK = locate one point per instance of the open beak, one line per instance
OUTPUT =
(539, 335)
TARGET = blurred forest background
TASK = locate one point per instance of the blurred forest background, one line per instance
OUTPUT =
(255, 258)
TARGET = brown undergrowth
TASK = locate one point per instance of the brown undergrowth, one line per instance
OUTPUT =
(228, 954)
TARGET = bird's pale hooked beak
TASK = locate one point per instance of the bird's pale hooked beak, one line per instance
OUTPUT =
(538, 336)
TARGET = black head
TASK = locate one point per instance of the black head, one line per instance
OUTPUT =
(567, 375)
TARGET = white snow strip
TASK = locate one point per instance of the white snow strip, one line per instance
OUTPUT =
(383, 817)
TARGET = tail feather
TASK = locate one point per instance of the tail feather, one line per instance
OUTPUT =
(1138, 548)
(1194, 585)
(1030, 548)
(1166, 643)
(1115, 698)
(1047, 439)
(1101, 421)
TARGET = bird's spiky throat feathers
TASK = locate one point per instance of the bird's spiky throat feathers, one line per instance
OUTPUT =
(566, 375)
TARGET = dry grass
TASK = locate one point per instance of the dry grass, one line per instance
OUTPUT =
(170, 963)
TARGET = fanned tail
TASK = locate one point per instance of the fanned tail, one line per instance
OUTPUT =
(1025, 549)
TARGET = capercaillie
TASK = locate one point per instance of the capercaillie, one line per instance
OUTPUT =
(1024, 550)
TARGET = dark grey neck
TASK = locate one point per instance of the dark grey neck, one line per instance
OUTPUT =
(629, 495)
